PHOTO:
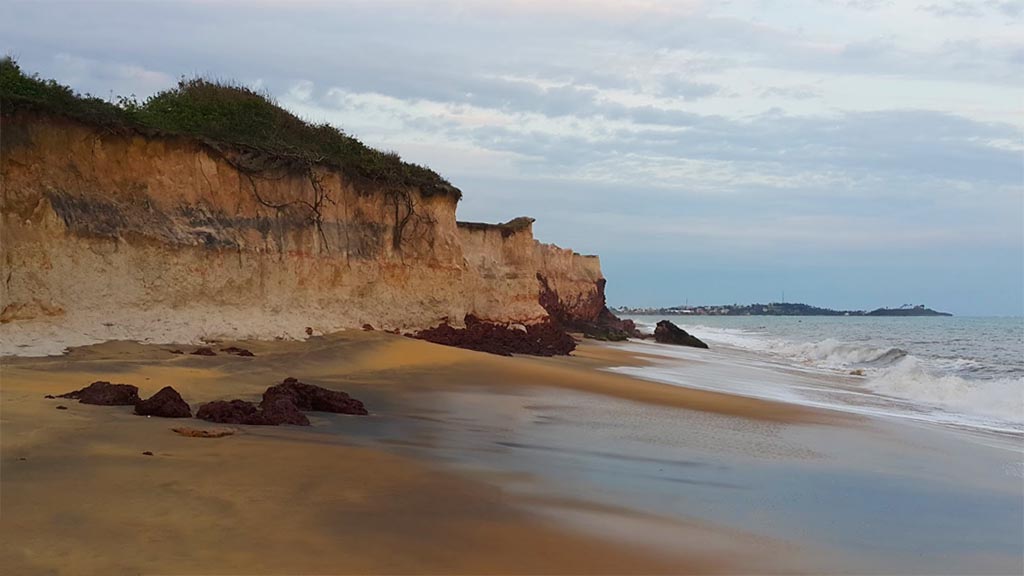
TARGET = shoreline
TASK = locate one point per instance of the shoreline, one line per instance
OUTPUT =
(600, 472)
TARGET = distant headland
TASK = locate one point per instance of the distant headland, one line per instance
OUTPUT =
(779, 309)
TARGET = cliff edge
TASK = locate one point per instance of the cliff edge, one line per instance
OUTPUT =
(116, 225)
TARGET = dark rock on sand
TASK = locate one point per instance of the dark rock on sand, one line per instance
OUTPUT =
(281, 411)
(204, 352)
(668, 333)
(312, 398)
(236, 351)
(147, 453)
(175, 351)
(367, 328)
(62, 407)
(544, 339)
(166, 403)
(202, 433)
(50, 397)
(106, 394)
(227, 412)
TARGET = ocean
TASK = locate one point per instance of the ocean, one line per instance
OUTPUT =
(958, 372)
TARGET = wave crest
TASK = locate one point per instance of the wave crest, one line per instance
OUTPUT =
(909, 379)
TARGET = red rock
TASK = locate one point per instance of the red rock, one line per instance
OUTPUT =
(236, 351)
(242, 412)
(166, 403)
(367, 327)
(282, 411)
(312, 398)
(309, 331)
(203, 351)
(587, 314)
(544, 339)
(227, 412)
(106, 394)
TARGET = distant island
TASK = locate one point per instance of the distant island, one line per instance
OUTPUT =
(778, 309)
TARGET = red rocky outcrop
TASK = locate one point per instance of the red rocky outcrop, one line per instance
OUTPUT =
(166, 403)
(242, 412)
(544, 339)
(104, 393)
(588, 314)
(312, 398)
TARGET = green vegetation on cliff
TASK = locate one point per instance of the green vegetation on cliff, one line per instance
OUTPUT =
(221, 115)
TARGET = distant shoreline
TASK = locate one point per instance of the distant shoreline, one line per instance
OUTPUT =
(779, 309)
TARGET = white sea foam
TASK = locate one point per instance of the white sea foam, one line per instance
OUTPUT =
(910, 379)
(953, 391)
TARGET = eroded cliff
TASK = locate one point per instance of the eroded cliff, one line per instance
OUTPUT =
(168, 238)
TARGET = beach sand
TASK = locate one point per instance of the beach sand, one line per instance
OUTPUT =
(468, 463)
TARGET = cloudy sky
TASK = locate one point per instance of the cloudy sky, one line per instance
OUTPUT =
(854, 153)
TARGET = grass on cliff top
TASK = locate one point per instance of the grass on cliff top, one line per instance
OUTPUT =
(224, 114)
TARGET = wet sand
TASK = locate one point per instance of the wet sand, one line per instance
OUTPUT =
(469, 463)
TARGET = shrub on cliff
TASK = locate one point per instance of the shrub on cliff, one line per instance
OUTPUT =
(222, 114)
(24, 91)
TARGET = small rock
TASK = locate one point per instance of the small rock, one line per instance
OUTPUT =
(166, 403)
(147, 453)
(50, 397)
(203, 351)
(201, 433)
(62, 407)
(236, 351)
(23, 459)
(106, 394)
(857, 372)
(367, 327)
(175, 351)
(309, 331)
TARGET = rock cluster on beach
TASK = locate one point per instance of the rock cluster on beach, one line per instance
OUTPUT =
(282, 403)
(543, 339)
(668, 333)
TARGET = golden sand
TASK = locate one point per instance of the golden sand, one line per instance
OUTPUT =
(79, 496)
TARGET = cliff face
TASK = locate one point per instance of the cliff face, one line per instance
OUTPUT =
(502, 274)
(571, 284)
(114, 235)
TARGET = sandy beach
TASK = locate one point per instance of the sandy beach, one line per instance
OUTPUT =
(468, 463)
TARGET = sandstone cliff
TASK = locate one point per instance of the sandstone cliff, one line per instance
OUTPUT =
(120, 234)
(208, 211)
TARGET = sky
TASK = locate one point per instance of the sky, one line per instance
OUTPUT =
(852, 153)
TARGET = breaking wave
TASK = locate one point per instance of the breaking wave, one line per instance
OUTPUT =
(912, 379)
(965, 390)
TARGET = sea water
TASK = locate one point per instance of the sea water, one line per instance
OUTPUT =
(952, 371)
